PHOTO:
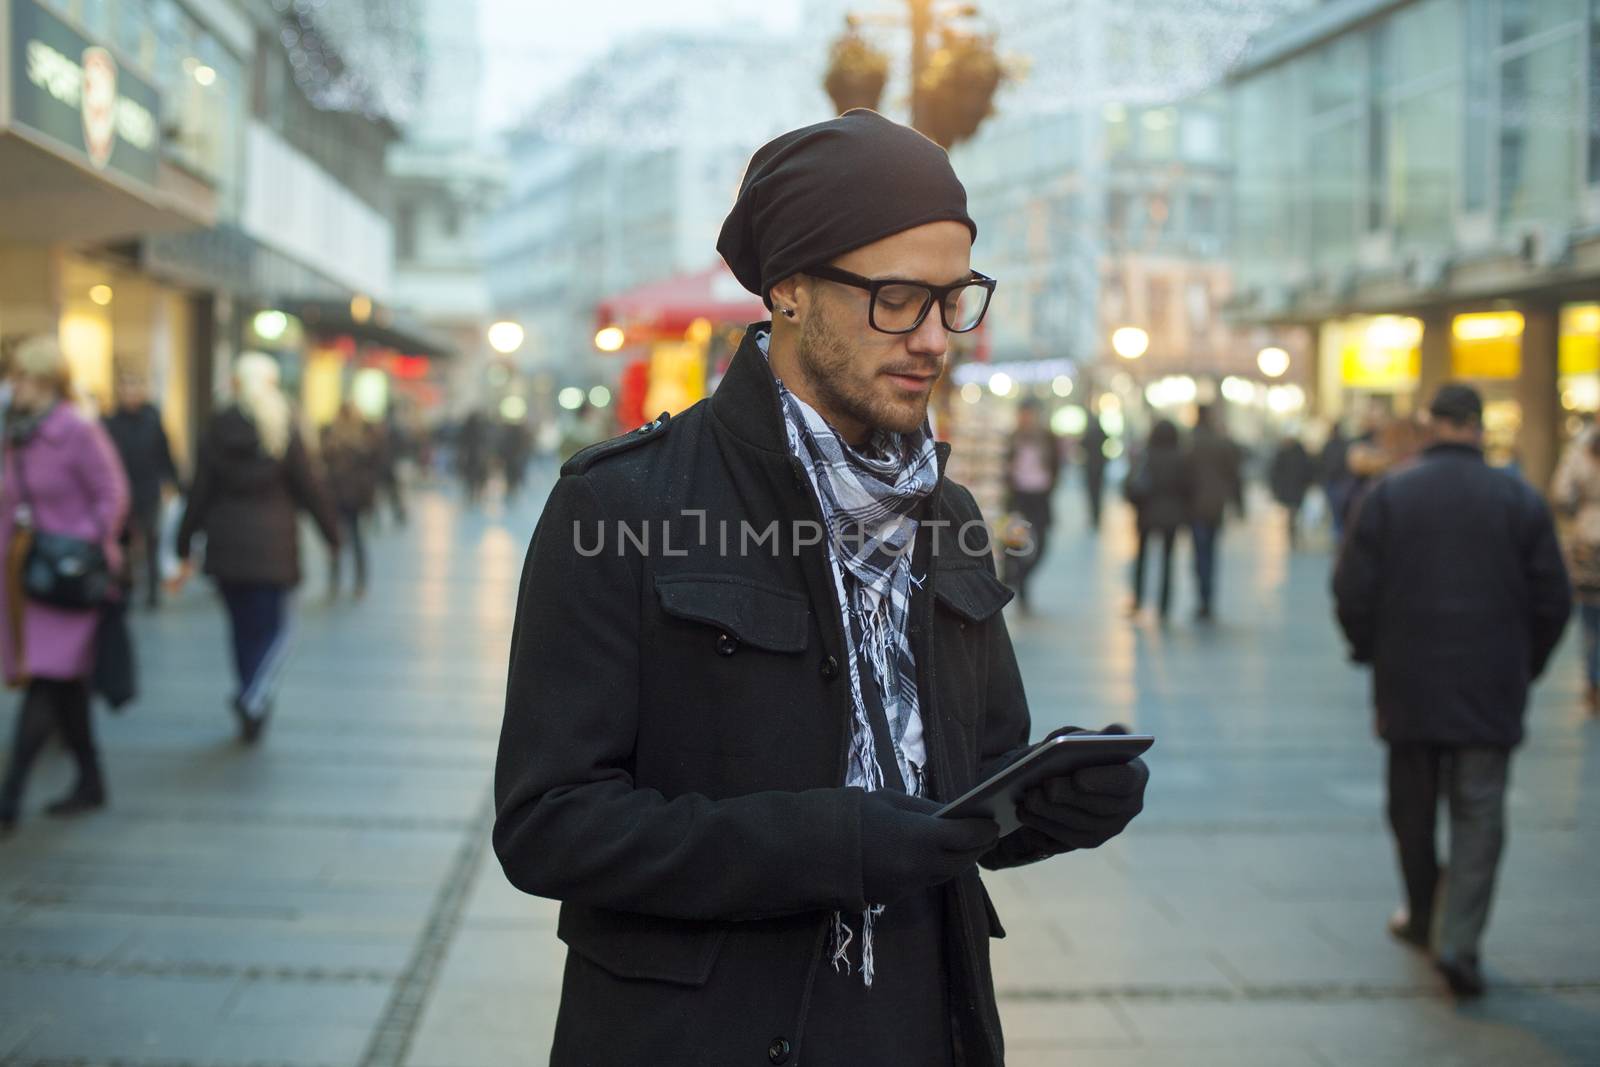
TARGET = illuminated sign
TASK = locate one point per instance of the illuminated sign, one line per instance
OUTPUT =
(72, 91)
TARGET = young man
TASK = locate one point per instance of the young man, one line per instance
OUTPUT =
(757, 645)
(1452, 587)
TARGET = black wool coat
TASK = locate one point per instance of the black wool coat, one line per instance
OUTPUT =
(1452, 586)
(676, 727)
(247, 504)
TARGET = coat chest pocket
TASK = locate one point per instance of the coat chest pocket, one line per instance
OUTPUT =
(968, 597)
(740, 610)
(729, 659)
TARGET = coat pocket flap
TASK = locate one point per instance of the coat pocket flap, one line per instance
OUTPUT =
(971, 592)
(760, 615)
(643, 946)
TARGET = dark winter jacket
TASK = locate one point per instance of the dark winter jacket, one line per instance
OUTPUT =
(351, 465)
(141, 441)
(246, 503)
(676, 730)
(1215, 462)
(1160, 487)
(1451, 585)
(1293, 470)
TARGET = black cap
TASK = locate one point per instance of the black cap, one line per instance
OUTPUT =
(816, 193)
(1457, 403)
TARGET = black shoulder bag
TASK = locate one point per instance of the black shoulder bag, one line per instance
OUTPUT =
(59, 570)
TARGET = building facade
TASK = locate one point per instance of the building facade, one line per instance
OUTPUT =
(1419, 182)
(169, 170)
(444, 184)
(624, 176)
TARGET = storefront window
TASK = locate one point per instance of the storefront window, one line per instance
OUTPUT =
(1579, 361)
(1487, 345)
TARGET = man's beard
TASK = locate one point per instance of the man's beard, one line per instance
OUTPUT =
(844, 387)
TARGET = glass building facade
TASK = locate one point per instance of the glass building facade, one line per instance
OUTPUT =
(1435, 163)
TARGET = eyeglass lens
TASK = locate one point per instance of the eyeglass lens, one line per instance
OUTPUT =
(898, 307)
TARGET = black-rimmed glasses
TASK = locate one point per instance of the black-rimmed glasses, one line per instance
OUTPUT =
(900, 306)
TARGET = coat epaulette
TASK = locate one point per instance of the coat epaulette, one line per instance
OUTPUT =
(585, 458)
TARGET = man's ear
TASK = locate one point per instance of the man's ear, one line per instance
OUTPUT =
(790, 298)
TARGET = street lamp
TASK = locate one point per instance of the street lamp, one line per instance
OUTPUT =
(505, 337)
(610, 339)
(1273, 361)
(1130, 342)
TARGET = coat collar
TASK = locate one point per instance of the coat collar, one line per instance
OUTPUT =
(746, 400)
(1446, 448)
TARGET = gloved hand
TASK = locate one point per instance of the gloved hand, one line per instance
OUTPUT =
(904, 848)
(1086, 808)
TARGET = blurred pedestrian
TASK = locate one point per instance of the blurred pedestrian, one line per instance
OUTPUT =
(1094, 467)
(1333, 472)
(1452, 588)
(351, 463)
(1388, 444)
(63, 499)
(472, 447)
(728, 861)
(252, 477)
(1577, 491)
(516, 450)
(392, 445)
(1290, 477)
(1160, 486)
(1214, 463)
(135, 427)
(1033, 465)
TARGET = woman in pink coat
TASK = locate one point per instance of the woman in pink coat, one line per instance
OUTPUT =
(61, 469)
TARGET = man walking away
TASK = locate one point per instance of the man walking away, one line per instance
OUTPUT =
(1290, 476)
(1214, 461)
(135, 428)
(1452, 587)
(1094, 467)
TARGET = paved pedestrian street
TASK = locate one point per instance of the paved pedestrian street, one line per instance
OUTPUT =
(330, 898)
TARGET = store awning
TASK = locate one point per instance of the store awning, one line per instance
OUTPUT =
(377, 325)
(664, 310)
(45, 198)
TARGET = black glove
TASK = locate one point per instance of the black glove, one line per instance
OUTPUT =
(905, 849)
(1086, 808)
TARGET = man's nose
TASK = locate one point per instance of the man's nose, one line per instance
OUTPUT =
(930, 338)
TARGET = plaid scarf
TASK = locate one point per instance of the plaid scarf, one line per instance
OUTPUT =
(867, 496)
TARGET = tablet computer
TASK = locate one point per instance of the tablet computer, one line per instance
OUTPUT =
(998, 797)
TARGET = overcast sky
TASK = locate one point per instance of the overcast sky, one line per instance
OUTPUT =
(529, 48)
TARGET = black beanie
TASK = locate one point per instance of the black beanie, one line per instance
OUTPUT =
(818, 192)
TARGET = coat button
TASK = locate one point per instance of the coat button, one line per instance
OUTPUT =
(727, 644)
(778, 1051)
(829, 669)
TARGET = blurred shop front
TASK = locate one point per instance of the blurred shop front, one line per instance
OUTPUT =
(334, 352)
(87, 162)
(1537, 364)
(673, 337)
